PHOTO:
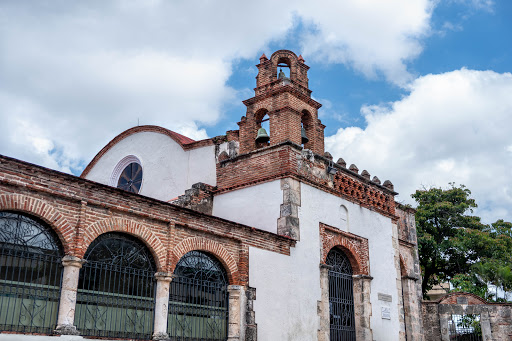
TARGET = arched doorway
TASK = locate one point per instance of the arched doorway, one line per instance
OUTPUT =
(30, 274)
(116, 289)
(341, 297)
(198, 300)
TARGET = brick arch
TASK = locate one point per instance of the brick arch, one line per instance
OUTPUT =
(352, 256)
(355, 247)
(211, 246)
(44, 211)
(130, 227)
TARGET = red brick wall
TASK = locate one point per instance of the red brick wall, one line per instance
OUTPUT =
(79, 210)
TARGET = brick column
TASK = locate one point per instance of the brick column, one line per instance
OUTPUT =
(66, 317)
(236, 319)
(362, 307)
(163, 281)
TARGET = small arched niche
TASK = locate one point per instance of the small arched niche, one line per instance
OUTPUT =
(343, 214)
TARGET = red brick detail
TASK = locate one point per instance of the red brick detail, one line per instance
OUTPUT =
(185, 142)
(86, 209)
(42, 210)
(211, 246)
(370, 195)
(126, 226)
(285, 160)
(287, 105)
(451, 298)
(354, 247)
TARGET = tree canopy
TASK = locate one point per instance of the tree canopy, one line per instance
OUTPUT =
(456, 246)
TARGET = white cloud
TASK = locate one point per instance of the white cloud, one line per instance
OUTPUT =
(82, 72)
(452, 127)
(372, 36)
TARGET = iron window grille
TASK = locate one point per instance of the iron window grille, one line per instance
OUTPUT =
(198, 299)
(116, 289)
(131, 178)
(341, 297)
(30, 274)
(465, 328)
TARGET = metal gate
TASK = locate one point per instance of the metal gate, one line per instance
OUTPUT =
(30, 274)
(341, 297)
(465, 328)
(116, 296)
(198, 300)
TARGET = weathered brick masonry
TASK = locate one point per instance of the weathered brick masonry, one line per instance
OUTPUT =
(291, 160)
(80, 210)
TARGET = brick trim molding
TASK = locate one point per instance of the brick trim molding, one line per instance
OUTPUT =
(42, 210)
(211, 246)
(355, 248)
(131, 227)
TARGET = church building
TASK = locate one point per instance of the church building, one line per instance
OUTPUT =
(257, 234)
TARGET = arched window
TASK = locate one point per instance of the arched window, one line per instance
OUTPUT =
(128, 174)
(341, 297)
(198, 300)
(116, 295)
(30, 274)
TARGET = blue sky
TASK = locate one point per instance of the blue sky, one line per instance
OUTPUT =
(415, 91)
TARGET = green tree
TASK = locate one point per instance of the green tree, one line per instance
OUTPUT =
(448, 240)
(455, 246)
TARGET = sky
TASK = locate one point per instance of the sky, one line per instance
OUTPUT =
(415, 91)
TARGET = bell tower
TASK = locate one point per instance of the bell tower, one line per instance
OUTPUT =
(286, 101)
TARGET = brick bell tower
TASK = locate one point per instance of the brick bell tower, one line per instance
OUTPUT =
(286, 102)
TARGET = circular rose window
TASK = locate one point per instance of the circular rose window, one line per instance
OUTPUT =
(131, 178)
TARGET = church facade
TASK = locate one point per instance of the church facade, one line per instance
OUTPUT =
(253, 235)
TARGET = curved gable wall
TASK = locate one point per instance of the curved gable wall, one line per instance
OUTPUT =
(168, 169)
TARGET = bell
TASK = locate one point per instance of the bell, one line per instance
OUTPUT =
(262, 136)
(303, 135)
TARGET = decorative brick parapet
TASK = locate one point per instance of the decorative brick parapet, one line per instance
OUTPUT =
(291, 160)
(79, 210)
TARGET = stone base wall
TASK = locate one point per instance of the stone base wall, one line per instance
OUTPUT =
(495, 318)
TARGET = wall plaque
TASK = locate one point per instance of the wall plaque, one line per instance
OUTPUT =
(385, 297)
(385, 313)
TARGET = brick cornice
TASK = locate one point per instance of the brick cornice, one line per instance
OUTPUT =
(282, 89)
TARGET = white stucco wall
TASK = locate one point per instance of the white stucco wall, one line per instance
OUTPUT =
(288, 287)
(168, 170)
(257, 206)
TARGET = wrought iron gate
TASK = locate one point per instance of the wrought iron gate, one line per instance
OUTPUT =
(116, 296)
(465, 328)
(341, 297)
(30, 274)
(198, 300)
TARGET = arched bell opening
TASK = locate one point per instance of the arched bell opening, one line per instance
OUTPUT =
(263, 129)
(116, 288)
(198, 299)
(283, 70)
(341, 296)
(30, 274)
(306, 129)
